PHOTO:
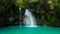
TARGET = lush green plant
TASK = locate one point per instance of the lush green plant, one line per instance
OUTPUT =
(40, 8)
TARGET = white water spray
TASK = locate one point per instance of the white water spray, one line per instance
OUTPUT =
(29, 19)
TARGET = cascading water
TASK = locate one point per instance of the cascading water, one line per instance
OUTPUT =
(29, 19)
(20, 15)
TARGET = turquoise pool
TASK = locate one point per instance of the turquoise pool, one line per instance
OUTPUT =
(29, 30)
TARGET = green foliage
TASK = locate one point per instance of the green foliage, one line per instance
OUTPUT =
(40, 8)
(21, 3)
(44, 13)
(8, 12)
(4, 3)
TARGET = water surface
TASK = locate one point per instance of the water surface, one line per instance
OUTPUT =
(29, 30)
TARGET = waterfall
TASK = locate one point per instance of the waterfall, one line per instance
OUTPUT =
(20, 15)
(29, 19)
